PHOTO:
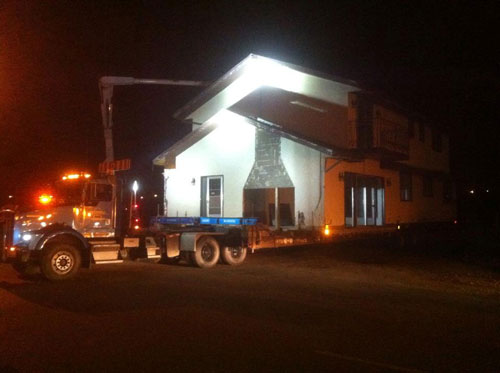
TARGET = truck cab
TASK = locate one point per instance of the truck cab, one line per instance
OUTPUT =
(60, 231)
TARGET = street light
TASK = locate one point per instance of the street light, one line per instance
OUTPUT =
(133, 204)
(135, 188)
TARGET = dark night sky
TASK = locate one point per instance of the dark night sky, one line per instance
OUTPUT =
(436, 57)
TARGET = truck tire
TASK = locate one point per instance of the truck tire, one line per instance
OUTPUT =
(207, 252)
(234, 255)
(60, 261)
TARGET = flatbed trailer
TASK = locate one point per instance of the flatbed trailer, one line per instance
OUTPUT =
(202, 241)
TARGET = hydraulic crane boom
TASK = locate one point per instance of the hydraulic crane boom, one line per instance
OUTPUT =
(106, 84)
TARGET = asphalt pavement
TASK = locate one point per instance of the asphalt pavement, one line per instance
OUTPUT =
(329, 308)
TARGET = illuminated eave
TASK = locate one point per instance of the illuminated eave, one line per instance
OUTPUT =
(257, 71)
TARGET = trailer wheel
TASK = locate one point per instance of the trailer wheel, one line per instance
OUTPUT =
(207, 252)
(60, 261)
(233, 255)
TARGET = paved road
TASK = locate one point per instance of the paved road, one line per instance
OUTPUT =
(316, 308)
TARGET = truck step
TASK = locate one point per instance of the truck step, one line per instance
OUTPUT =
(108, 261)
(103, 242)
(106, 252)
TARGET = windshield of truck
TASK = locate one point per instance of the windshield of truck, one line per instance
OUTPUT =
(68, 192)
(96, 192)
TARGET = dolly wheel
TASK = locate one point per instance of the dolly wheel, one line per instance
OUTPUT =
(207, 252)
(233, 255)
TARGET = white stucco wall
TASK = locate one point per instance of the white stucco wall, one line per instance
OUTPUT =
(230, 151)
(303, 166)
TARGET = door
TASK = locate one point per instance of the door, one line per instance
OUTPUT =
(364, 200)
(97, 210)
(212, 196)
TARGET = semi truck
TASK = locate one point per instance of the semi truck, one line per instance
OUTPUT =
(75, 225)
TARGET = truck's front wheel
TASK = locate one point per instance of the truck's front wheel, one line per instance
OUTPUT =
(207, 252)
(60, 261)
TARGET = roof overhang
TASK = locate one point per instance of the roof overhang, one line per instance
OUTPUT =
(257, 71)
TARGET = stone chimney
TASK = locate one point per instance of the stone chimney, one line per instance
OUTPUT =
(268, 170)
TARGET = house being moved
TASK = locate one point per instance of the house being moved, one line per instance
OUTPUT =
(299, 149)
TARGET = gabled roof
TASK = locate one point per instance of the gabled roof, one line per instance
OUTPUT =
(256, 71)
(248, 76)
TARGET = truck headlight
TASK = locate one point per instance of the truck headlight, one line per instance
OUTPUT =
(26, 237)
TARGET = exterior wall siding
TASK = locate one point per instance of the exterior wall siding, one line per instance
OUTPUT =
(228, 151)
(304, 167)
(419, 209)
(421, 153)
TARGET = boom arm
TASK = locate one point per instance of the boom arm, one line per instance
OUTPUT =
(106, 84)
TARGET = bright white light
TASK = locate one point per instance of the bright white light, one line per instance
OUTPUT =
(156, 195)
(96, 224)
(270, 73)
(487, 190)
(259, 72)
(471, 191)
(26, 237)
(233, 132)
(11, 196)
(135, 186)
(43, 224)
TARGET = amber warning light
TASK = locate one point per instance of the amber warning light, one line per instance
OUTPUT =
(45, 199)
(82, 175)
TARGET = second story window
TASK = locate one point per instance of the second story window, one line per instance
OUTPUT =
(405, 185)
(421, 132)
(427, 186)
(437, 141)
